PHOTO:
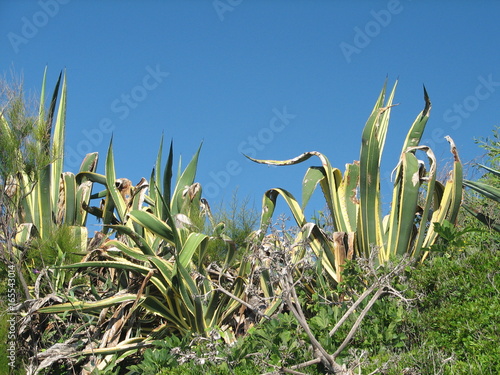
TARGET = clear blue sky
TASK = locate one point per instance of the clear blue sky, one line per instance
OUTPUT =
(269, 78)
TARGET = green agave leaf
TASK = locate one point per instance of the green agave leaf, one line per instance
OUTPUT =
(407, 204)
(347, 192)
(192, 299)
(153, 224)
(90, 176)
(127, 250)
(373, 139)
(193, 243)
(155, 306)
(156, 187)
(30, 201)
(322, 248)
(43, 213)
(429, 194)
(122, 264)
(57, 147)
(89, 306)
(131, 345)
(311, 179)
(221, 307)
(167, 180)
(115, 195)
(70, 207)
(485, 189)
(185, 180)
(456, 181)
(329, 184)
(41, 109)
(447, 199)
(269, 205)
(24, 233)
(82, 200)
(166, 269)
(89, 163)
(138, 239)
(81, 234)
(417, 129)
(50, 115)
(491, 170)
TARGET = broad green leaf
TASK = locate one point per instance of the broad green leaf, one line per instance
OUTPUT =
(347, 192)
(89, 163)
(153, 224)
(194, 298)
(484, 189)
(491, 170)
(131, 252)
(122, 265)
(369, 225)
(311, 179)
(165, 267)
(90, 176)
(185, 180)
(407, 204)
(89, 306)
(82, 200)
(154, 305)
(167, 180)
(140, 241)
(115, 195)
(57, 147)
(81, 234)
(269, 205)
(192, 244)
(70, 209)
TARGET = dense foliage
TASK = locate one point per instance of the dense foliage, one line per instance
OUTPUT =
(173, 286)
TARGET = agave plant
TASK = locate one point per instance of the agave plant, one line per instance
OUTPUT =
(44, 196)
(354, 198)
(150, 280)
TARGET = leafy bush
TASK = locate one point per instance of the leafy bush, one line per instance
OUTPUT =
(460, 311)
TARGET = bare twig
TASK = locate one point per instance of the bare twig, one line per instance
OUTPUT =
(239, 300)
(289, 293)
(356, 325)
(353, 308)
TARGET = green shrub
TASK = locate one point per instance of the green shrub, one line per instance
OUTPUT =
(459, 311)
